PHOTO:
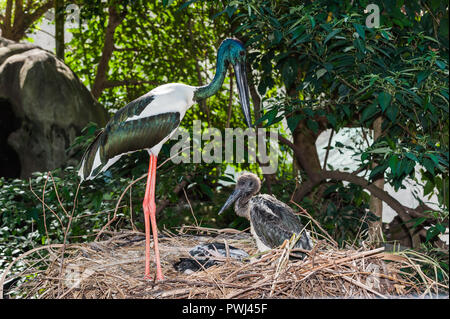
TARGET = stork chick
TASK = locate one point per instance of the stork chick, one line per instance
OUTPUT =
(271, 221)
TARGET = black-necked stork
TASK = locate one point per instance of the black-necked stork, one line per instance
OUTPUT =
(149, 121)
(271, 221)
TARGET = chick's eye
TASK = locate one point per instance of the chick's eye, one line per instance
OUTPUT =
(242, 53)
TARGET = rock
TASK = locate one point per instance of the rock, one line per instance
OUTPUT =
(43, 107)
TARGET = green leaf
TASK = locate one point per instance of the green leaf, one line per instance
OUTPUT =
(393, 161)
(379, 170)
(440, 64)
(392, 112)
(227, 179)
(332, 120)
(422, 76)
(369, 112)
(384, 99)
(428, 188)
(187, 4)
(385, 35)
(331, 35)
(419, 221)
(429, 165)
(312, 125)
(346, 109)
(434, 158)
(206, 190)
(330, 189)
(231, 10)
(359, 45)
(269, 115)
(360, 29)
(411, 156)
(313, 22)
(169, 2)
(293, 120)
(320, 73)
(431, 233)
(297, 32)
(278, 35)
(304, 38)
(441, 228)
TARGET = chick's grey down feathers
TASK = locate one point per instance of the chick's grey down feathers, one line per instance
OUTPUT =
(271, 221)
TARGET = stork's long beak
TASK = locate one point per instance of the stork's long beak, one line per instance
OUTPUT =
(241, 79)
(233, 197)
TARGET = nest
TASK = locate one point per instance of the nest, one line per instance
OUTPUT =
(114, 268)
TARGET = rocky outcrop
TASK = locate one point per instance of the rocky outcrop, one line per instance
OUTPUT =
(43, 107)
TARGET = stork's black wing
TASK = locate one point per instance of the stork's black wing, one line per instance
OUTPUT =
(121, 137)
(274, 222)
(130, 136)
(133, 108)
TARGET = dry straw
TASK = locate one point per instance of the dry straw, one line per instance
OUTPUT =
(114, 267)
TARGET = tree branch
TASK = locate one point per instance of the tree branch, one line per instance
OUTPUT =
(114, 20)
(39, 12)
(16, 30)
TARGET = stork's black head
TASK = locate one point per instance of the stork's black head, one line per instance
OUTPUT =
(248, 184)
(233, 51)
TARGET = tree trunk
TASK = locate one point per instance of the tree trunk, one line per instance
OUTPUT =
(307, 159)
(376, 204)
(59, 28)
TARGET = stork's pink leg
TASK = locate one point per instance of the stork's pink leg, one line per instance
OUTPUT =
(150, 217)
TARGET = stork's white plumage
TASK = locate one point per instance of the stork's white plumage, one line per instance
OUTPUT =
(168, 98)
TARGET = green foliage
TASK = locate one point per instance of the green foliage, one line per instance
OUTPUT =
(343, 212)
(319, 60)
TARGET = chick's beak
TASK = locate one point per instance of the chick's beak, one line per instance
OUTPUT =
(233, 197)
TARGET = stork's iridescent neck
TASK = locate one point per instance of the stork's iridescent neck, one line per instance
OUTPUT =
(212, 88)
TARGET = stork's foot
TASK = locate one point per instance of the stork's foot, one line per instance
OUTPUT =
(147, 277)
(159, 277)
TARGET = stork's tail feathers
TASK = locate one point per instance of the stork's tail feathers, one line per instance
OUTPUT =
(91, 164)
